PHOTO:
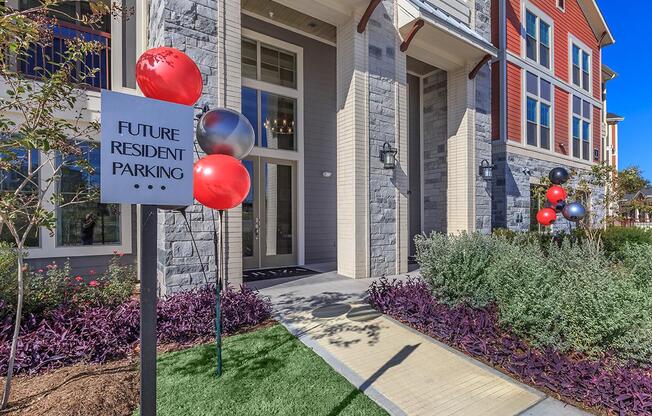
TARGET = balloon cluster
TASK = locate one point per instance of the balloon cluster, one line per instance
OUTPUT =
(556, 201)
(221, 181)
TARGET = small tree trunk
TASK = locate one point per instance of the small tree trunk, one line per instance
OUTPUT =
(14, 341)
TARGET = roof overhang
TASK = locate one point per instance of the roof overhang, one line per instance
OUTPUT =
(596, 21)
(608, 74)
(443, 41)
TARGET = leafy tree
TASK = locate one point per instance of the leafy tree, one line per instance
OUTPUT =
(630, 180)
(42, 128)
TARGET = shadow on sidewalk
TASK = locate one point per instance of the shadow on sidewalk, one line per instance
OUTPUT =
(393, 362)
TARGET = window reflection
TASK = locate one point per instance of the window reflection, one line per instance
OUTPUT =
(10, 179)
(86, 222)
(278, 121)
(278, 212)
(248, 215)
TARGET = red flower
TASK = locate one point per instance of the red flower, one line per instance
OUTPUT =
(79, 278)
(92, 272)
(40, 270)
(93, 283)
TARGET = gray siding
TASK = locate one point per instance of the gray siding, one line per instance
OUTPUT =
(320, 131)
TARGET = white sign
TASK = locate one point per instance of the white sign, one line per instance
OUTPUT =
(146, 152)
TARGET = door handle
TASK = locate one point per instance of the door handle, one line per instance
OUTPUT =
(257, 228)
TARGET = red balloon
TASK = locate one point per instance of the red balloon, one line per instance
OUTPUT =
(556, 194)
(221, 182)
(546, 216)
(168, 74)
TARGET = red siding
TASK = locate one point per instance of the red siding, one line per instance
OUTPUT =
(562, 117)
(597, 133)
(572, 21)
(514, 110)
(513, 26)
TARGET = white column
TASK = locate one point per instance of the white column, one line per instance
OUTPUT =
(461, 151)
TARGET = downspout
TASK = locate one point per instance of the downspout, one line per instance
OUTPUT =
(502, 71)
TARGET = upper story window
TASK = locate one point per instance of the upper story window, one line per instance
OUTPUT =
(561, 5)
(581, 67)
(538, 103)
(268, 64)
(42, 59)
(581, 127)
(538, 34)
(270, 92)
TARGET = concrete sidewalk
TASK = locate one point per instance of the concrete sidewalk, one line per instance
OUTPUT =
(406, 372)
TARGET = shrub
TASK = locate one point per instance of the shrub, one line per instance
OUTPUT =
(614, 239)
(98, 333)
(455, 267)
(566, 296)
(614, 387)
(48, 288)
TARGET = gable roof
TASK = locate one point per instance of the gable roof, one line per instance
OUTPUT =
(596, 21)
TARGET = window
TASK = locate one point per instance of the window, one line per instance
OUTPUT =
(268, 64)
(537, 39)
(581, 127)
(270, 93)
(581, 70)
(538, 104)
(561, 4)
(85, 223)
(21, 161)
(273, 120)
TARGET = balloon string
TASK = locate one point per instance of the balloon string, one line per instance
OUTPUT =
(194, 243)
(218, 251)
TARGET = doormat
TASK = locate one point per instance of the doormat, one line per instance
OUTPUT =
(277, 273)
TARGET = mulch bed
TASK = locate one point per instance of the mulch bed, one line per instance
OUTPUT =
(110, 389)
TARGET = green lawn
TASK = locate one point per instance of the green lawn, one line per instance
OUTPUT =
(266, 372)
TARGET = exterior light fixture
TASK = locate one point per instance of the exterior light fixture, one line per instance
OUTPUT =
(388, 156)
(486, 170)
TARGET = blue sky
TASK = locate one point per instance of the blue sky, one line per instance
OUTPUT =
(630, 95)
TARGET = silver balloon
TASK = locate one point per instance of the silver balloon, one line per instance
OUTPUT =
(225, 132)
(574, 212)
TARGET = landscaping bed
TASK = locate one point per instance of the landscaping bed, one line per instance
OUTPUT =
(564, 317)
(69, 335)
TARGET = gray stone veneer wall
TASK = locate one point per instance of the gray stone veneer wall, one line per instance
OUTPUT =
(382, 128)
(483, 122)
(514, 176)
(435, 167)
(190, 26)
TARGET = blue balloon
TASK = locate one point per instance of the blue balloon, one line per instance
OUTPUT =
(574, 212)
(225, 132)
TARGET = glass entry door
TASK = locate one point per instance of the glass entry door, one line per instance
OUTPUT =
(269, 214)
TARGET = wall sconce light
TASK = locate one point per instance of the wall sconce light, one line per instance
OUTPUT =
(388, 156)
(486, 170)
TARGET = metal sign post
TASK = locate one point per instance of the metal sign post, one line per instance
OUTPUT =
(148, 300)
(146, 158)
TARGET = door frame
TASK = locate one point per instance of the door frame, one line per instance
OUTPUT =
(260, 260)
(297, 155)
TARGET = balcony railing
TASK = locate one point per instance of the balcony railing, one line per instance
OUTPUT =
(42, 59)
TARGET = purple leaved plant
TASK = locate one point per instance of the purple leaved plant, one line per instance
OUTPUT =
(612, 385)
(68, 335)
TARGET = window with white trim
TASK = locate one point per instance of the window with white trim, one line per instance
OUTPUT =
(581, 128)
(270, 93)
(580, 67)
(538, 34)
(538, 103)
(561, 5)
